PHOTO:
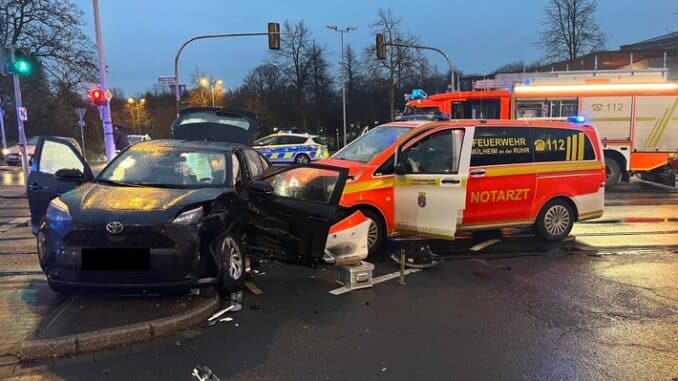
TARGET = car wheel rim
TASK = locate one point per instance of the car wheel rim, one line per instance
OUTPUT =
(557, 220)
(303, 159)
(231, 252)
(372, 234)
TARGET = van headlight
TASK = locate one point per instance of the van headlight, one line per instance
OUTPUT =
(58, 216)
(189, 217)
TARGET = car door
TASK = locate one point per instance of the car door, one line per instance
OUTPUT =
(430, 182)
(291, 210)
(57, 168)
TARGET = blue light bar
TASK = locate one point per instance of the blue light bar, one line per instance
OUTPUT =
(419, 94)
(576, 119)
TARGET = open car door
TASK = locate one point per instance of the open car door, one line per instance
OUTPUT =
(57, 168)
(430, 182)
(291, 211)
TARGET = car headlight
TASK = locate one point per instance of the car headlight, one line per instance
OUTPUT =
(58, 216)
(189, 217)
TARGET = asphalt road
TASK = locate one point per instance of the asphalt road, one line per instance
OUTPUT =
(603, 306)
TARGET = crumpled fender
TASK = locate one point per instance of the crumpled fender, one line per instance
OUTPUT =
(347, 240)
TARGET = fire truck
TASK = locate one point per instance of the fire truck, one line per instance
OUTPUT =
(635, 112)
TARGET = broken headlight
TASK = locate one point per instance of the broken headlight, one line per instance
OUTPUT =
(189, 217)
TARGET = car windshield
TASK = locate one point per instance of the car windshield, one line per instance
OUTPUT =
(168, 167)
(373, 142)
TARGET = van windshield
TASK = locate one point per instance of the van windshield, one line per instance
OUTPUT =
(369, 145)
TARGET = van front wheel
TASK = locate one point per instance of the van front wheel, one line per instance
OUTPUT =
(555, 220)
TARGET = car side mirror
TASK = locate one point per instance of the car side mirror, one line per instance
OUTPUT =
(261, 187)
(70, 174)
(399, 169)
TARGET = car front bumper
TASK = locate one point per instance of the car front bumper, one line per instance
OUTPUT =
(141, 257)
(347, 240)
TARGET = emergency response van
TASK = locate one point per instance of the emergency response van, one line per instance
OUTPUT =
(436, 178)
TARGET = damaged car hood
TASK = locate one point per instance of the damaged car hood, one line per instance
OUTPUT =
(91, 202)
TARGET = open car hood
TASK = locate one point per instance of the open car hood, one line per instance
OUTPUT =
(215, 132)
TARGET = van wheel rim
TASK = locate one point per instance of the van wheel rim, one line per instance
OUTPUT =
(557, 219)
(231, 252)
(372, 234)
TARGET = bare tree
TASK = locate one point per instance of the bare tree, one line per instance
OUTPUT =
(400, 62)
(570, 29)
(292, 60)
(51, 32)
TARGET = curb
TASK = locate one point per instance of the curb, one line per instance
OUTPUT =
(34, 348)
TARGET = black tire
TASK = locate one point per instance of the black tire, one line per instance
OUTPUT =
(302, 158)
(228, 250)
(555, 220)
(376, 233)
(612, 172)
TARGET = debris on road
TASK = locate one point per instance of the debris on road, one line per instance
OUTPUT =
(420, 257)
(253, 289)
(226, 319)
(485, 244)
(203, 373)
(219, 313)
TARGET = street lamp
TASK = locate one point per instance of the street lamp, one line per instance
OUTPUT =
(204, 82)
(343, 82)
(136, 105)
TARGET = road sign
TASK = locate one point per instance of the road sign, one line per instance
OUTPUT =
(23, 114)
(80, 111)
(108, 94)
(167, 80)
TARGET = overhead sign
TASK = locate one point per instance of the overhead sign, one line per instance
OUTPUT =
(23, 114)
(108, 94)
(80, 112)
(167, 80)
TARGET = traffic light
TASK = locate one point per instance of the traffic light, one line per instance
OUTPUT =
(274, 36)
(381, 48)
(96, 95)
(22, 66)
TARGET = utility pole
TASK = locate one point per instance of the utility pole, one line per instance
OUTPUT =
(106, 107)
(80, 112)
(2, 128)
(19, 117)
(341, 66)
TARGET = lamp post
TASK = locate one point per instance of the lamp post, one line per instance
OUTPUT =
(135, 105)
(343, 82)
(206, 83)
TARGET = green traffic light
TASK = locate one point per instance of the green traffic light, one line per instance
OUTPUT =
(22, 67)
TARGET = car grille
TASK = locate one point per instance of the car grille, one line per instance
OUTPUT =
(132, 237)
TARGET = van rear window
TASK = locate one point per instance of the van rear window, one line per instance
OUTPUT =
(560, 144)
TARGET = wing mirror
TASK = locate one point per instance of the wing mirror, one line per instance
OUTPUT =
(70, 174)
(261, 187)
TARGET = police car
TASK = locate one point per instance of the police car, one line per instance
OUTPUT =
(296, 148)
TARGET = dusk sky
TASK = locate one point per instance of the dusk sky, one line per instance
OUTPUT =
(141, 37)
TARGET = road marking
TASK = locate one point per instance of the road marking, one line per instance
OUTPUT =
(485, 244)
(377, 280)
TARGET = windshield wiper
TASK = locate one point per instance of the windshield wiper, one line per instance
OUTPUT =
(118, 183)
(156, 185)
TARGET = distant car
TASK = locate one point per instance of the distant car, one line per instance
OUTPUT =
(14, 155)
(292, 148)
(136, 138)
(170, 213)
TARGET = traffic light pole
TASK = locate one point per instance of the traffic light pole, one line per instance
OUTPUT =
(177, 91)
(19, 119)
(106, 107)
(2, 128)
(449, 62)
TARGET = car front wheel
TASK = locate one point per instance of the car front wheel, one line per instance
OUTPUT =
(376, 231)
(302, 159)
(228, 249)
(555, 220)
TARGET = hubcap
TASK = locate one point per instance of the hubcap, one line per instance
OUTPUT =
(372, 234)
(231, 252)
(303, 159)
(557, 220)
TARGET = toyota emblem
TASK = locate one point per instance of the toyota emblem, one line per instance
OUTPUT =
(114, 227)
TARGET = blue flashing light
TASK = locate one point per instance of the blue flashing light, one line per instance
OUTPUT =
(526, 81)
(576, 119)
(419, 94)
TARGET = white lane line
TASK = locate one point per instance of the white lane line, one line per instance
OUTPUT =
(377, 280)
(485, 244)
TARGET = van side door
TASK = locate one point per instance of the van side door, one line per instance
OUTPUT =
(430, 182)
(502, 177)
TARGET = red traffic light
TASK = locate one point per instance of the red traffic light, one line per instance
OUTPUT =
(96, 95)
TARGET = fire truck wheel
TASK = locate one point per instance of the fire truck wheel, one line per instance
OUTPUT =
(555, 220)
(612, 172)
(375, 234)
